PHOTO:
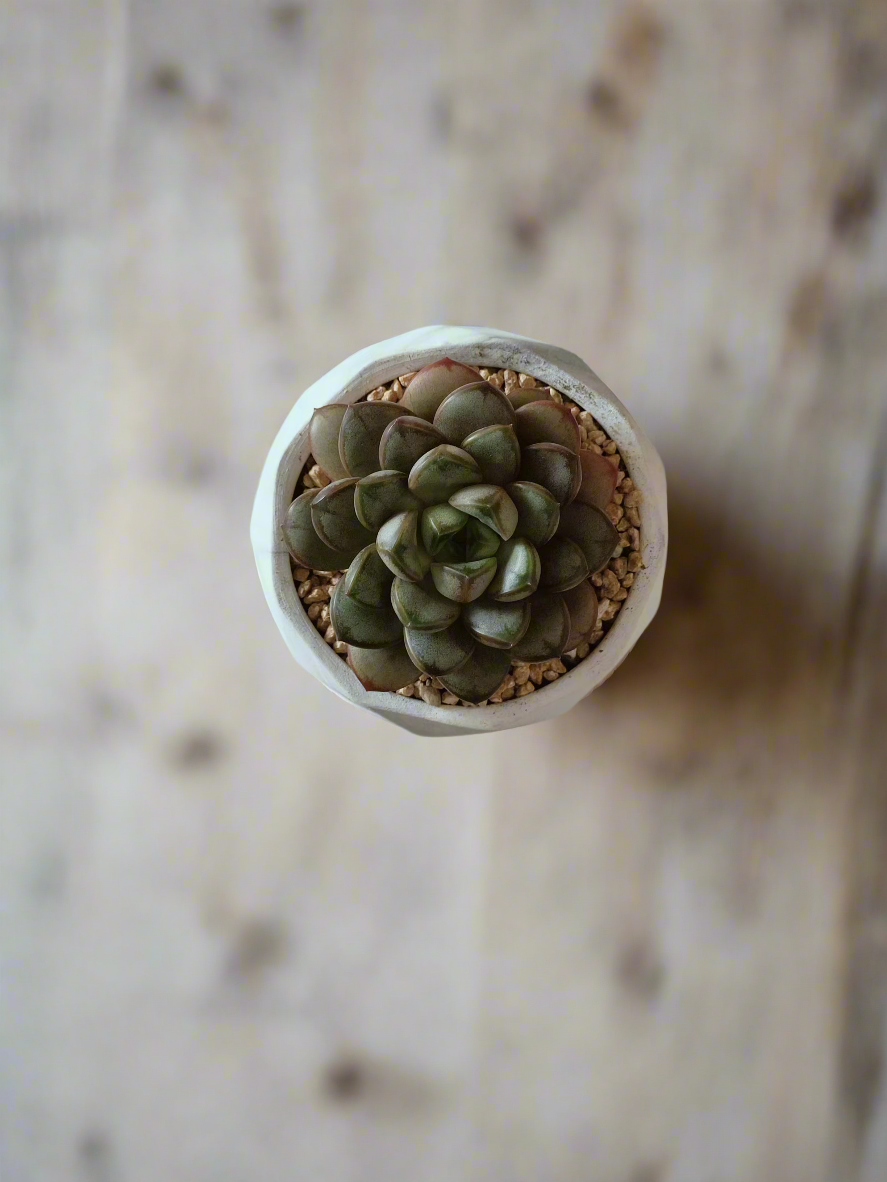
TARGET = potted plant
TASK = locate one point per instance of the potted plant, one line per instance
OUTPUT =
(461, 530)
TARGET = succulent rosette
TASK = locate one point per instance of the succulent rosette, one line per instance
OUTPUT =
(467, 522)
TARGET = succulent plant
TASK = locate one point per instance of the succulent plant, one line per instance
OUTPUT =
(467, 522)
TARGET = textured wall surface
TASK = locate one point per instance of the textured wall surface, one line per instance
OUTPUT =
(251, 934)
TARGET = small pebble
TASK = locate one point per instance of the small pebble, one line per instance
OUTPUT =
(523, 690)
(583, 434)
(450, 699)
(603, 606)
(430, 695)
(595, 637)
(632, 499)
(341, 648)
(583, 650)
(406, 378)
(395, 388)
(301, 573)
(303, 588)
(609, 448)
(314, 611)
(307, 482)
(620, 595)
(317, 595)
(626, 485)
(609, 583)
(633, 516)
(550, 675)
(406, 692)
(617, 498)
(330, 634)
(510, 377)
(508, 694)
(536, 676)
(628, 580)
(634, 562)
(614, 512)
(587, 421)
(495, 380)
(521, 675)
(527, 381)
(319, 477)
(557, 666)
(555, 395)
(632, 539)
(484, 372)
(619, 566)
(596, 580)
(594, 447)
(390, 396)
(324, 612)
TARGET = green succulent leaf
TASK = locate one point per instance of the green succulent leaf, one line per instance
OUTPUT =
(519, 396)
(500, 625)
(442, 471)
(381, 495)
(480, 677)
(400, 549)
(496, 450)
(518, 571)
(323, 431)
(361, 433)
(439, 653)
(470, 408)
(599, 478)
(302, 541)
(538, 513)
(547, 422)
(563, 565)
(440, 524)
(382, 668)
(463, 581)
(582, 605)
(405, 440)
(432, 384)
(548, 632)
(367, 627)
(592, 531)
(490, 504)
(554, 467)
(422, 607)
(368, 579)
(480, 541)
(335, 519)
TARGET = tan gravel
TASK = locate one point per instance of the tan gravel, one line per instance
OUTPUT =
(613, 584)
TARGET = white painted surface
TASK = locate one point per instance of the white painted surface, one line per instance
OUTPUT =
(644, 942)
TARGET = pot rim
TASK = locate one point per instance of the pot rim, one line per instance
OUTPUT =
(362, 372)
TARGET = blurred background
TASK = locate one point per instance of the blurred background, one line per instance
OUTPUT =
(253, 934)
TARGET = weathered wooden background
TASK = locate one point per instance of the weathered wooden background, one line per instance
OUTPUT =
(252, 935)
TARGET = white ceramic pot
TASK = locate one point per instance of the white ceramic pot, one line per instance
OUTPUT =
(381, 363)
